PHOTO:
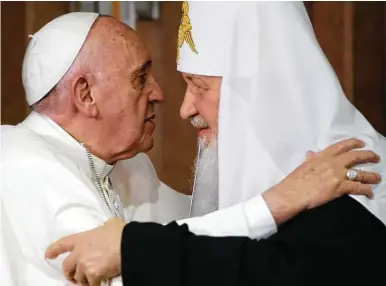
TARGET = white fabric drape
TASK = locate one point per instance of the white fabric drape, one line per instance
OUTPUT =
(282, 98)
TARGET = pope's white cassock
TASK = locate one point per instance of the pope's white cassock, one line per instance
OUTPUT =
(50, 183)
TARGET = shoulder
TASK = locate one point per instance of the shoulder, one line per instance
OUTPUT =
(26, 151)
(45, 196)
(18, 140)
(37, 173)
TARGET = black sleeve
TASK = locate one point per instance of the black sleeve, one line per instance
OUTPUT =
(340, 244)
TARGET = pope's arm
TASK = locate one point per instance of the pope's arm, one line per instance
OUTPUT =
(44, 201)
(339, 243)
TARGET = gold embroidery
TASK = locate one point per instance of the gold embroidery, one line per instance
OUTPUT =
(185, 31)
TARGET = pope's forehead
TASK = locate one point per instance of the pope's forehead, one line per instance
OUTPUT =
(118, 44)
(136, 53)
(113, 32)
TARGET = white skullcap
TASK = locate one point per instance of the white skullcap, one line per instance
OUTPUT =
(205, 37)
(51, 52)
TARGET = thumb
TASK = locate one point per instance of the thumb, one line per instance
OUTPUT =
(63, 245)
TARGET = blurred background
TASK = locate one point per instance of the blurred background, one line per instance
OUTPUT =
(352, 35)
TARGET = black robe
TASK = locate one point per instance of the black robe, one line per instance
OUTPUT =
(339, 243)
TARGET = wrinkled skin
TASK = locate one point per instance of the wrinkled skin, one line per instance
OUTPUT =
(106, 100)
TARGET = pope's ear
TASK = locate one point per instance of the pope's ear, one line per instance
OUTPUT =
(83, 98)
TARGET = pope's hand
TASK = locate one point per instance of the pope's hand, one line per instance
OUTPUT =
(95, 255)
(322, 178)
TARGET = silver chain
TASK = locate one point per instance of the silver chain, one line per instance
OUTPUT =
(97, 178)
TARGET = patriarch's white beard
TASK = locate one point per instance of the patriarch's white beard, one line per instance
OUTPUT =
(205, 196)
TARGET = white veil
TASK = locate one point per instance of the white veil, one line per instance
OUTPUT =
(290, 100)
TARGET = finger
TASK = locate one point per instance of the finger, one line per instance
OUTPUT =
(62, 245)
(80, 276)
(94, 280)
(69, 266)
(353, 158)
(343, 147)
(365, 177)
(356, 188)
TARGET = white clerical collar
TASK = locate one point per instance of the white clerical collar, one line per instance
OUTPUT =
(44, 126)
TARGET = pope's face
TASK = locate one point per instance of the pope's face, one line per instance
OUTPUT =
(129, 92)
(201, 103)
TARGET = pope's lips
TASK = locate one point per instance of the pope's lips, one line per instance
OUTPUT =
(150, 118)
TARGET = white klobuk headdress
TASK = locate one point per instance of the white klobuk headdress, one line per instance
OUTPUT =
(279, 98)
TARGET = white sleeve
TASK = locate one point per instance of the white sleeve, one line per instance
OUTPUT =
(252, 218)
(44, 201)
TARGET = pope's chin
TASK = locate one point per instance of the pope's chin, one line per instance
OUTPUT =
(148, 136)
(143, 145)
(147, 145)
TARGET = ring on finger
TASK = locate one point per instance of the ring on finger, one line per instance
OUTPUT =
(352, 175)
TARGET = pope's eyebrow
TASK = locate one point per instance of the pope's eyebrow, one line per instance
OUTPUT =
(147, 65)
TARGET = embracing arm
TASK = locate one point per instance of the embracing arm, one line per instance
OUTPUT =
(314, 183)
(321, 178)
(341, 240)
